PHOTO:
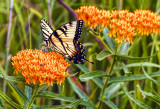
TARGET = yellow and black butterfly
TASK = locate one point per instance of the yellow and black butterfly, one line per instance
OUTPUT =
(65, 39)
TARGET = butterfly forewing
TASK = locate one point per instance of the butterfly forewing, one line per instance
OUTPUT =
(71, 30)
(46, 29)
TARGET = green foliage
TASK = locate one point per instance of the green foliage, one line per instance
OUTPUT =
(124, 76)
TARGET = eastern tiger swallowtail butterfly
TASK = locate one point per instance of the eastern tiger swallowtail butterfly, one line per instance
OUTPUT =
(65, 39)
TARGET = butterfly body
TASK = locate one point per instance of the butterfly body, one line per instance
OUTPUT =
(65, 39)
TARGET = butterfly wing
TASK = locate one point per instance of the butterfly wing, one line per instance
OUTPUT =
(63, 37)
(46, 29)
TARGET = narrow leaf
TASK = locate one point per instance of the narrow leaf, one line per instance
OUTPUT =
(28, 93)
(138, 102)
(17, 79)
(24, 97)
(1, 105)
(91, 75)
(144, 64)
(111, 89)
(123, 48)
(134, 58)
(42, 88)
(72, 105)
(150, 95)
(55, 96)
(149, 77)
(132, 77)
(74, 74)
(77, 90)
(95, 80)
(109, 41)
(125, 69)
(102, 55)
(9, 100)
(109, 103)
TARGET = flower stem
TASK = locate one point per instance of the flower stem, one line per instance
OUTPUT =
(100, 38)
(33, 96)
(106, 83)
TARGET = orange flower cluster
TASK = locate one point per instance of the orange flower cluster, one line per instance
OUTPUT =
(123, 24)
(40, 67)
(146, 22)
(93, 17)
(120, 26)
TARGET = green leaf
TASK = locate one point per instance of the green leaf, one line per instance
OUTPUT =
(109, 103)
(74, 74)
(149, 77)
(24, 97)
(76, 103)
(132, 77)
(102, 55)
(134, 58)
(109, 41)
(125, 69)
(150, 95)
(123, 48)
(17, 79)
(1, 105)
(9, 100)
(72, 105)
(42, 89)
(77, 90)
(28, 93)
(91, 75)
(138, 102)
(144, 64)
(95, 80)
(111, 89)
(55, 96)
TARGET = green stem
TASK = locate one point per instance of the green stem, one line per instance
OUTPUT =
(33, 96)
(153, 46)
(106, 83)
(100, 38)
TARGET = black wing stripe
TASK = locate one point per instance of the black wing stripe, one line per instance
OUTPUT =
(57, 36)
(71, 50)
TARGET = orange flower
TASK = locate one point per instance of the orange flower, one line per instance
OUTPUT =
(40, 67)
(146, 22)
(123, 24)
(93, 17)
(120, 26)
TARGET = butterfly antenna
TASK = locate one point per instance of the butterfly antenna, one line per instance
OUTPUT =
(88, 61)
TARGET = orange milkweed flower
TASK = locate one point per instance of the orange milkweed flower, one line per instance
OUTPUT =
(93, 17)
(120, 26)
(146, 22)
(40, 67)
(124, 25)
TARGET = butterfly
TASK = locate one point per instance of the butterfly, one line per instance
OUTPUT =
(65, 40)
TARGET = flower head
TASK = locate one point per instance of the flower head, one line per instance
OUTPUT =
(40, 67)
(146, 22)
(123, 24)
(120, 26)
(93, 17)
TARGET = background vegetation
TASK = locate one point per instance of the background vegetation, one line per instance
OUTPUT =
(134, 82)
